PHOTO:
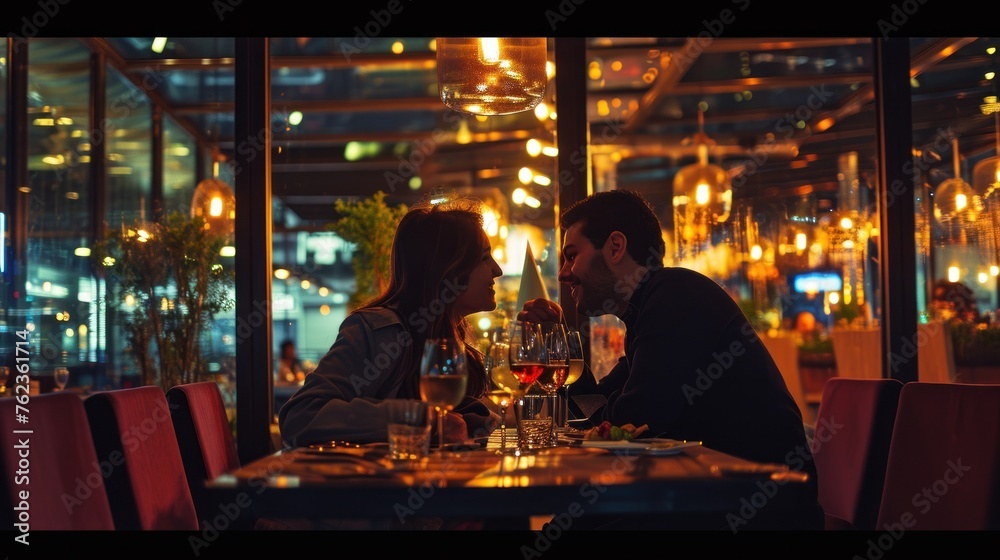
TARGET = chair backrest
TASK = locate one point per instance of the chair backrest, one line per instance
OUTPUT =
(150, 490)
(858, 352)
(60, 470)
(935, 354)
(851, 447)
(206, 441)
(944, 461)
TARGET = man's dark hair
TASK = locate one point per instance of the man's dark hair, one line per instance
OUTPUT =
(621, 210)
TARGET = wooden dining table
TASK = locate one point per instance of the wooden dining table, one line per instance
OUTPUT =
(692, 487)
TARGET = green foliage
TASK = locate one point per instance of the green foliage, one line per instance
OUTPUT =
(370, 224)
(756, 317)
(846, 313)
(172, 272)
(816, 345)
(975, 343)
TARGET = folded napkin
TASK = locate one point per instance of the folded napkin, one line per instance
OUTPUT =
(590, 404)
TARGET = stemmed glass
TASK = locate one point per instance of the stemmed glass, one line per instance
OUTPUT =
(443, 378)
(61, 375)
(498, 366)
(575, 345)
(556, 359)
(527, 353)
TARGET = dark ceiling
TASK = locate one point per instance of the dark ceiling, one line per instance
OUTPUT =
(785, 108)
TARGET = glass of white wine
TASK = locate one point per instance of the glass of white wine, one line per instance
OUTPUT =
(443, 378)
(507, 386)
(574, 342)
(61, 376)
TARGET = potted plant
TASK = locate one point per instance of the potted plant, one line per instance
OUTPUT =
(369, 224)
(168, 276)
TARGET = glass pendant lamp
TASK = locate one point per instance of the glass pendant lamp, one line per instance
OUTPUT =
(986, 173)
(491, 75)
(703, 194)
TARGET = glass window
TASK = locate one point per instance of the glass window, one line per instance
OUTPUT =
(958, 212)
(179, 166)
(61, 296)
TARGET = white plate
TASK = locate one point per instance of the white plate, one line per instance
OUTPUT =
(648, 446)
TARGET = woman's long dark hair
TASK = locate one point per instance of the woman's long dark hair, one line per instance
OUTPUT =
(435, 248)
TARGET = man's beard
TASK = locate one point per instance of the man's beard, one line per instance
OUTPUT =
(598, 292)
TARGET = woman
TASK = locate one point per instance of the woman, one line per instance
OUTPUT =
(442, 270)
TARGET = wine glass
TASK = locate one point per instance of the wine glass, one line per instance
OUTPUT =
(556, 359)
(61, 375)
(498, 367)
(443, 377)
(575, 345)
(526, 354)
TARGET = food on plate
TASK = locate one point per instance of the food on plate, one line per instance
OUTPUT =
(606, 431)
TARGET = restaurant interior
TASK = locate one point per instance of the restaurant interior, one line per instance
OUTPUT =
(850, 205)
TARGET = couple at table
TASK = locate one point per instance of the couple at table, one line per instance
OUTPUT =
(693, 368)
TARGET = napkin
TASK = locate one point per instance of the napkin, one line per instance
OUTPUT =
(531, 281)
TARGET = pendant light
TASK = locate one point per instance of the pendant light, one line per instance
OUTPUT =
(491, 75)
(215, 202)
(954, 200)
(986, 173)
(703, 194)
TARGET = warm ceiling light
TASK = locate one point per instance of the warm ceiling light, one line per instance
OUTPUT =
(953, 274)
(159, 43)
(491, 75)
(215, 202)
(281, 274)
(702, 193)
(954, 199)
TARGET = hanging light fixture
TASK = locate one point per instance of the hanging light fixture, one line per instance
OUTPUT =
(491, 75)
(215, 201)
(703, 194)
(986, 173)
(955, 202)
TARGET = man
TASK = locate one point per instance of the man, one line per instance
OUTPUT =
(693, 368)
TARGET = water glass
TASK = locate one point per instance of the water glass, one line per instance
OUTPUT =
(409, 429)
(534, 421)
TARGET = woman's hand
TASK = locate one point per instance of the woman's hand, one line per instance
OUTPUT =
(455, 429)
(540, 310)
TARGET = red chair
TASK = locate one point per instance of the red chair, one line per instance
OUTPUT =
(150, 490)
(205, 438)
(64, 477)
(851, 447)
(944, 461)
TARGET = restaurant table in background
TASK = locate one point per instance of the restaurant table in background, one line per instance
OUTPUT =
(693, 488)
